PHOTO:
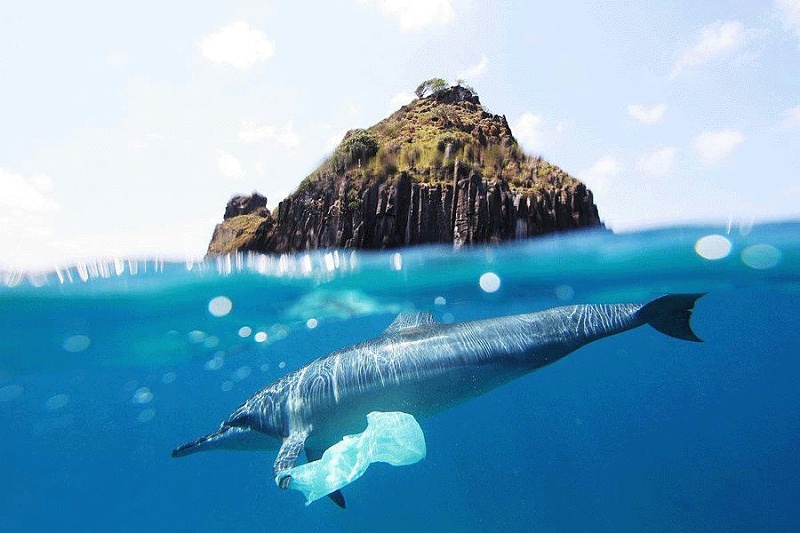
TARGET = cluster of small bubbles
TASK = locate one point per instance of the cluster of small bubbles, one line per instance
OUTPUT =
(440, 300)
(220, 306)
(713, 247)
(56, 402)
(260, 336)
(245, 331)
(311, 323)
(196, 336)
(489, 282)
(10, 392)
(226, 386)
(279, 331)
(169, 377)
(242, 373)
(761, 256)
(282, 365)
(146, 415)
(215, 363)
(76, 343)
(142, 395)
(211, 342)
(564, 292)
(448, 318)
(264, 367)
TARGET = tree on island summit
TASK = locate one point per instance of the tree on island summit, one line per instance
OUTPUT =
(431, 86)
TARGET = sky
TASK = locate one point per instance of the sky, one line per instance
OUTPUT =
(126, 127)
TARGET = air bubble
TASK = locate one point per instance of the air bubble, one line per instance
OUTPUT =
(761, 256)
(565, 292)
(242, 373)
(489, 282)
(142, 395)
(10, 392)
(76, 343)
(220, 306)
(56, 402)
(215, 363)
(713, 247)
(196, 336)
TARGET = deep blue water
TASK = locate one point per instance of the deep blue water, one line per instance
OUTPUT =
(107, 366)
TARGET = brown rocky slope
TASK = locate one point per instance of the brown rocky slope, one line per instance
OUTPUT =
(440, 170)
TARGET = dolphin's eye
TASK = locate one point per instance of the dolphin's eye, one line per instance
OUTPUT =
(239, 420)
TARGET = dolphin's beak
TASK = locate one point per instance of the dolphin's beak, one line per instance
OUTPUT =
(203, 443)
(227, 438)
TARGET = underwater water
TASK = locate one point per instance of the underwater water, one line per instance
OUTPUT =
(107, 366)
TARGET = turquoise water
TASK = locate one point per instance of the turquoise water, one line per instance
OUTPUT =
(106, 367)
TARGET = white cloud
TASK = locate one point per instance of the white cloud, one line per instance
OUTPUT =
(599, 176)
(788, 12)
(475, 71)
(237, 45)
(285, 136)
(652, 114)
(659, 163)
(27, 215)
(713, 40)
(229, 165)
(416, 14)
(714, 147)
(792, 118)
(400, 99)
(528, 129)
(30, 196)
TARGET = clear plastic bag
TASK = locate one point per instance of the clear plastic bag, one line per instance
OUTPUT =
(395, 438)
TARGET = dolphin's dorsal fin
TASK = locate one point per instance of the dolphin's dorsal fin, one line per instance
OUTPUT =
(405, 321)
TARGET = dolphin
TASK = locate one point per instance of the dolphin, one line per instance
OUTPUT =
(421, 367)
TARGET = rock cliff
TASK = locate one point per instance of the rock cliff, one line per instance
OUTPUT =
(439, 170)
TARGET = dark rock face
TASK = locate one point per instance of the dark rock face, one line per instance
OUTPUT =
(246, 205)
(468, 211)
(456, 94)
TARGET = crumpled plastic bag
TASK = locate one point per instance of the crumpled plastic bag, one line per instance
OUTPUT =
(395, 438)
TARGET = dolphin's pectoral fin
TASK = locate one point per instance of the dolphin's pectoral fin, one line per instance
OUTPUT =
(287, 456)
(336, 496)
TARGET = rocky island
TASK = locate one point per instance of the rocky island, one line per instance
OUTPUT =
(441, 169)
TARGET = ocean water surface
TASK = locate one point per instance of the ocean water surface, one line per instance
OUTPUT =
(106, 366)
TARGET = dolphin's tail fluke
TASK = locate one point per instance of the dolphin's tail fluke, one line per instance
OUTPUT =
(670, 315)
